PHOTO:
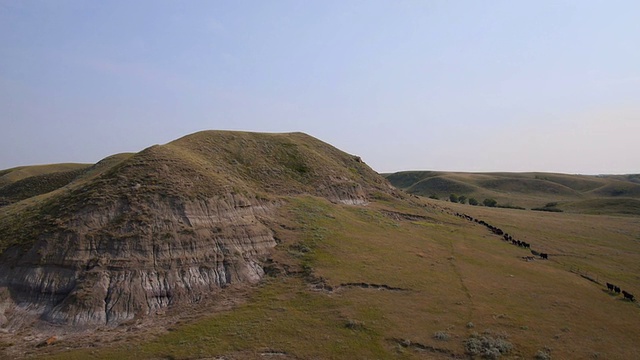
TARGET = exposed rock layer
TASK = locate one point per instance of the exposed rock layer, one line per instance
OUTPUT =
(103, 272)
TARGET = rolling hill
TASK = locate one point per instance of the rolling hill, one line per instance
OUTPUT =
(250, 246)
(602, 194)
(138, 232)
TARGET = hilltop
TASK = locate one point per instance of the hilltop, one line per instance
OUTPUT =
(102, 244)
(250, 246)
(602, 194)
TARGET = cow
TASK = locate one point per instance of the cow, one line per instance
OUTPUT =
(610, 286)
(616, 289)
(627, 295)
(545, 256)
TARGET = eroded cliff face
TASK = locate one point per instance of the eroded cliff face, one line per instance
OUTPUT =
(111, 264)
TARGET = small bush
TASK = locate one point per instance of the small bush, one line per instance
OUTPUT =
(473, 201)
(509, 206)
(542, 355)
(434, 196)
(354, 325)
(487, 346)
(453, 198)
(550, 207)
(470, 325)
(441, 335)
(490, 202)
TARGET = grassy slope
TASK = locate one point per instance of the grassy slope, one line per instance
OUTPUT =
(37, 185)
(23, 221)
(456, 273)
(12, 175)
(574, 192)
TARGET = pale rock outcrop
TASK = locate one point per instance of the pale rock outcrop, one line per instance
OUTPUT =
(100, 269)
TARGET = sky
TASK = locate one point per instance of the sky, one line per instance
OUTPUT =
(449, 85)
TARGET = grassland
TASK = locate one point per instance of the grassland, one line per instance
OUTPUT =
(397, 278)
(452, 277)
(603, 194)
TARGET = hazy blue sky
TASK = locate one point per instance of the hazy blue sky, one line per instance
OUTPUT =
(441, 85)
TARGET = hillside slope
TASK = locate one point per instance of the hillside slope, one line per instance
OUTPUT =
(27, 181)
(578, 193)
(409, 280)
(138, 232)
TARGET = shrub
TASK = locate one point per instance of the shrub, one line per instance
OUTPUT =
(354, 325)
(490, 202)
(542, 355)
(434, 196)
(487, 346)
(550, 207)
(441, 335)
(453, 198)
(509, 206)
(547, 209)
(473, 201)
(462, 199)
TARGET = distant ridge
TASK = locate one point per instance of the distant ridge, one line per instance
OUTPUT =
(597, 194)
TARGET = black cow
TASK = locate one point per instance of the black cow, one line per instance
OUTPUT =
(610, 287)
(616, 289)
(627, 295)
(544, 256)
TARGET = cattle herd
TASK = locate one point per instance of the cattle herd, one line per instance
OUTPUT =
(616, 289)
(508, 238)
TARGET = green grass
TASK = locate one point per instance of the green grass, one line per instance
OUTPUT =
(12, 175)
(37, 185)
(280, 316)
(609, 206)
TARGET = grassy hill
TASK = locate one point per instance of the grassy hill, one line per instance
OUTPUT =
(27, 181)
(201, 165)
(392, 277)
(577, 193)
(12, 175)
